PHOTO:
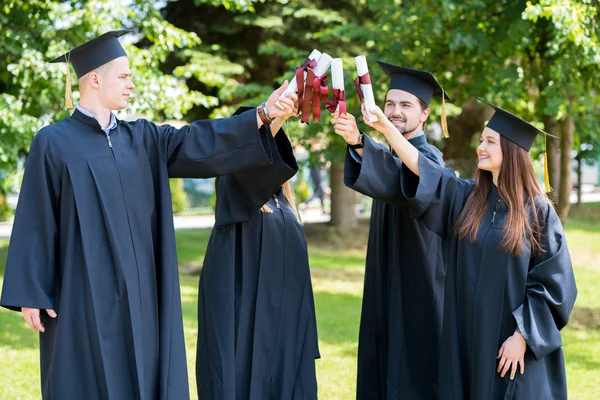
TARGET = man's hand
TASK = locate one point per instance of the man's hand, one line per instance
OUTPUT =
(383, 124)
(512, 353)
(345, 126)
(287, 101)
(32, 317)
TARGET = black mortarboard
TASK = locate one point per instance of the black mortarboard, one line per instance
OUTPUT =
(518, 131)
(94, 53)
(513, 128)
(420, 83)
(242, 109)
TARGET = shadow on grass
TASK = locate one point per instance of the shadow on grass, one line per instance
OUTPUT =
(585, 217)
(14, 333)
(591, 225)
(585, 318)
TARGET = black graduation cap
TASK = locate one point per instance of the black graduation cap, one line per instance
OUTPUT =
(518, 131)
(513, 128)
(242, 109)
(94, 53)
(420, 83)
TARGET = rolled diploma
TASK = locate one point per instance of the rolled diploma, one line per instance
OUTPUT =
(292, 84)
(362, 69)
(337, 74)
(322, 65)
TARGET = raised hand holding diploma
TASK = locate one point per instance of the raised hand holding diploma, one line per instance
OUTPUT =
(405, 150)
(363, 86)
(337, 81)
(301, 72)
(381, 124)
(268, 112)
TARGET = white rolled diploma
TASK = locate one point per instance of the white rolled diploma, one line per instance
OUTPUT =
(362, 69)
(322, 65)
(293, 85)
(337, 74)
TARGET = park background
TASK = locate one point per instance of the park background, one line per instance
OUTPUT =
(195, 59)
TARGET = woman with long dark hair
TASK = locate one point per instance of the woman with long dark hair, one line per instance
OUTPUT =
(257, 331)
(509, 286)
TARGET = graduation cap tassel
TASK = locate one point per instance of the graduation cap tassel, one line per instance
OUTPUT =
(68, 99)
(547, 186)
(445, 134)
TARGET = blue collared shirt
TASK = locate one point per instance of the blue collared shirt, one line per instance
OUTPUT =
(113, 119)
(357, 158)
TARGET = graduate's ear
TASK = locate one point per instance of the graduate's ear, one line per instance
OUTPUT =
(425, 114)
(94, 79)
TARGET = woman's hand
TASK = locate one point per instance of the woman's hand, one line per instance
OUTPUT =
(511, 354)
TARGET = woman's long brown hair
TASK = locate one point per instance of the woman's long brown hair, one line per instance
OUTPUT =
(290, 199)
(518, 187)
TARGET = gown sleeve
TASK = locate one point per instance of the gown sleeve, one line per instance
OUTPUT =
(209, 148)
(242, 193)
(436, 196)
(31, 266)
(377, 175)
(550, 290)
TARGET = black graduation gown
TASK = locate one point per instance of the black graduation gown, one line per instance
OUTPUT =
(401, 318)
(257, 332)
(93, 239)
(489, 293)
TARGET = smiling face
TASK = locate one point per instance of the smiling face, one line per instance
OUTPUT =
(405, 111)
(489, 151)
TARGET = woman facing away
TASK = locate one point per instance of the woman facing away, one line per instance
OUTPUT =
(510, 286)
(257, 332)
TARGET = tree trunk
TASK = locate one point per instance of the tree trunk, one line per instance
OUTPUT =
(343, 202)
(566, 165)
(553, 152)
(579, 177)
(458, 151)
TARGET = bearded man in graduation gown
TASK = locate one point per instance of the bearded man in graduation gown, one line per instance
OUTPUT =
(401, 317)
(92, 262)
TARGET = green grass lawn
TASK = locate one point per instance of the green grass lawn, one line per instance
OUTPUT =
(337, 279)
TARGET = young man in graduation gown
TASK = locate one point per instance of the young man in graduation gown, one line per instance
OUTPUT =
(401, 316)
(92, 262)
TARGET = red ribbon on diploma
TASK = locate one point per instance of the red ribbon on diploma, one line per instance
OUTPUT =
(306, 67)
(361, 80)
(308, 95)
(320, 91)
(339, 99)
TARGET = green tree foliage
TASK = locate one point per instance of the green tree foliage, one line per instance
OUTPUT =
(178, 196)
(538, 58)
(32, 90)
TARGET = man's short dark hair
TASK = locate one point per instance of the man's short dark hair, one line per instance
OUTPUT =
(423, 107)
